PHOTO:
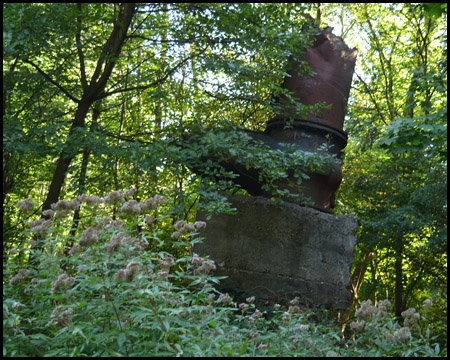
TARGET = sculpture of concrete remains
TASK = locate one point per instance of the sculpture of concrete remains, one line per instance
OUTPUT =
(271, 247)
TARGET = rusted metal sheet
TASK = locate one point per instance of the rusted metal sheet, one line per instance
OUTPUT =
(333, 64)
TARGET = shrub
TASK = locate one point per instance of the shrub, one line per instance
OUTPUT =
(134, 287)
(377, 333)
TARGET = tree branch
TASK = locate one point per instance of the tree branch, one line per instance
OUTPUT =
(48, 78)
(372, 97)
(80, 49)
(385, 66)
(157, 82)
(111, 50)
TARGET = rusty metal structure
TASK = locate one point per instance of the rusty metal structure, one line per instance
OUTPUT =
(332, 63)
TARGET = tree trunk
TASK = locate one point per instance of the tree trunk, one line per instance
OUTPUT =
(159, 106)
(111, 50)
(398, 291)
(106, 61)
(357, 280)
(8, 177)
(82, 179)
(66, 156)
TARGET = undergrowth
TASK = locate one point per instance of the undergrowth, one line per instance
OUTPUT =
(135, 287)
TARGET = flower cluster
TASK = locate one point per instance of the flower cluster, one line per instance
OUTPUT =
(294, 308)
(114, 196)
(358, 326)
(165, 263)
(103, 223)
(114, 243)
(301, 327)
(60, 316)
(224, 298)
(401, 334)
(130, 192)
(60, 282)
(129, 273)
(286, 316)
(114, 225)
(64, 207)
(427, 304)
(22, 273)
(40, 226)
(134, 207)
(68, 205)
(255, 316)
(411, 317)
(88, 237)
(243, 306)
(90, 200)
(367, 312)
(48, 213)
(185, 228)
(148, 219)
(202, 266)
(162, 275)
(26, 206)
(120, 239)
(152, 203)
(131, 207)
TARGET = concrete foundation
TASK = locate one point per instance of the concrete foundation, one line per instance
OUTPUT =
(271, 247)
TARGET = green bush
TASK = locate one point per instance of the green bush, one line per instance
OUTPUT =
(133, 287)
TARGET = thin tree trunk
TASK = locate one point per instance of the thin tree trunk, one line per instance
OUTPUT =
(164, 47)
(8, 177)
(82, 178)
(66, 157)
(357, 281)
(398, 291)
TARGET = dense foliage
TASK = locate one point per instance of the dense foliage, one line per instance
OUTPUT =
(124, 289)
(396, 165)
(103, 97)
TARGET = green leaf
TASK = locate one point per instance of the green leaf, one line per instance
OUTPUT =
(244, 348)
(78, 330)
(121, 339)
(437, 349)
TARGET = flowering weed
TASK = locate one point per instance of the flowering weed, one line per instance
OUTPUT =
(133, 287)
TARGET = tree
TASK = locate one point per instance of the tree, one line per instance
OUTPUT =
(394, 177)
(128, 60)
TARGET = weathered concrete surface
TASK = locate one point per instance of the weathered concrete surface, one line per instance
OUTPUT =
(272, 247)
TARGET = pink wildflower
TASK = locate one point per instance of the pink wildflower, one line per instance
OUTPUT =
(26, 206)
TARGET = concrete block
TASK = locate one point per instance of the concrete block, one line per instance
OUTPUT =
(282, 247)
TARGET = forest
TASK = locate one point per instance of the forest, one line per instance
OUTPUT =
(108, 112)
